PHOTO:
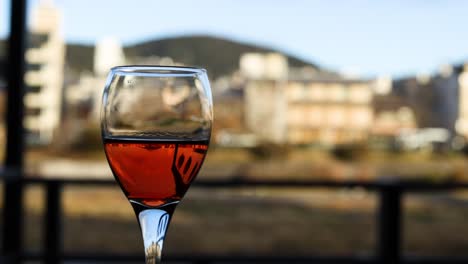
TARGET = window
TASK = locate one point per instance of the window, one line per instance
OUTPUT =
(336, 92)
(360, 93)
(316, 92)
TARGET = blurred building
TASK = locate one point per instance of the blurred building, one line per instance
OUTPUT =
(229, 128)
(87, 92)
(313, 108)
(44, 75)
(265, 94)
(462, 120)
(434, 98)
(392, 116)
(108, 53)
(328, 111)
(439, 103)
(392, 113)
(445, 87)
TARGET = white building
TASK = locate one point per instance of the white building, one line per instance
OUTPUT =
(265, 92)
(313, 108)
(108, 53)
(44, 76)
(461, 126)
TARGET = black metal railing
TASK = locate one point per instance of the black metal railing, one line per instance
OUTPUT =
(389, 225)
(13, 188)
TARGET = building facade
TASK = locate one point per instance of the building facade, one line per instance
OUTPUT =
(44, 75)
(462, 120)
(329, 112)
(314, 108)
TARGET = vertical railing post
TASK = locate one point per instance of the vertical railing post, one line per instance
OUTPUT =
(389, 224)
(12, 229)
(53, 223)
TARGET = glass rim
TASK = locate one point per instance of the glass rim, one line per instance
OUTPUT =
(158, 69)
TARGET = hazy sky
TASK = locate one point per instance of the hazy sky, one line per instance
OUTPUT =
(367, 37)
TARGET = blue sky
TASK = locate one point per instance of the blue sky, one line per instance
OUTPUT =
(366, 37)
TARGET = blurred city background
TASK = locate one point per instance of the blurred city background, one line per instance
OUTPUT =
(302, 90)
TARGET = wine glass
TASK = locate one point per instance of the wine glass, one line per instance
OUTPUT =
(156, 126)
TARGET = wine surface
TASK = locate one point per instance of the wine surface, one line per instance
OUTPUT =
(155, 173)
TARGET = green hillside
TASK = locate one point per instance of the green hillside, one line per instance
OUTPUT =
(218, 56)
(79, 57)
(2, 49)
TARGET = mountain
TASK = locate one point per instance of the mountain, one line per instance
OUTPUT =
(79, 57)
(218, 56)
(3, 46)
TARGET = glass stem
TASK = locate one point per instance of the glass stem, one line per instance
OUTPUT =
(153, 224)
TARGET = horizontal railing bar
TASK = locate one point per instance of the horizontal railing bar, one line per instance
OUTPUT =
(239, 182)
(210, 258)
(435, 260)
(115, 258)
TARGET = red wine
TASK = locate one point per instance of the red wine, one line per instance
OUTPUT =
(155, 173)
